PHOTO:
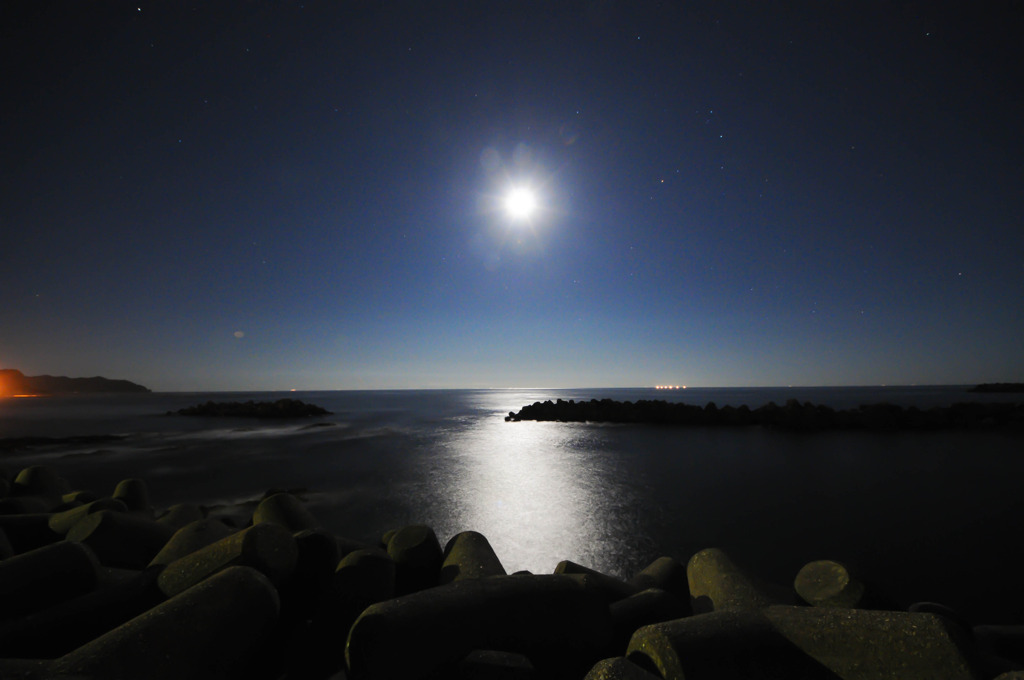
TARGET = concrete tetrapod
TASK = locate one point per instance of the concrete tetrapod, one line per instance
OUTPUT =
(805, 642)
(860, 643)
(81, 496)
(190, 538)
(363, 577)
(6, 549)
(665, 573)
(1001, 646)
(716, 584)
(286, 510)
(57, 630)
(469, 555)
(134, 494)
(487, 664)
(317, 559)
(417, 555)
(552, 620)
(611, 588)
(619, 668)
(268, 548)
(43, 577)
(935, 608)
(825, 583)
(39, 481)
(120, 539)
(23, 505)
(28, 532)
(62, 522)
(642, 609)
(203, 633)
(180, 514)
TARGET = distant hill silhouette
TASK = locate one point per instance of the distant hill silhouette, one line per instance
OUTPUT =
(13, 381)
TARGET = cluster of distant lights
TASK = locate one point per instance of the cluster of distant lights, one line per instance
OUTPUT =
(670, 387)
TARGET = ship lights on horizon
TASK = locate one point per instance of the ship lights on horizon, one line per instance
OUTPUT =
(670, 387)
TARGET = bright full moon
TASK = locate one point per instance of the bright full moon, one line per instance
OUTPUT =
(520, 203)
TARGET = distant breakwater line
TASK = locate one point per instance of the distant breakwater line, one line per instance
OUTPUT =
(110, 587)
(791, 416)
(996, 388)
(282, 408)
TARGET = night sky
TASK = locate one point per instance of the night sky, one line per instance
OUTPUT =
(275, 195)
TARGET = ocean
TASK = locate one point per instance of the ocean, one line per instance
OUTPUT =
(919, 515)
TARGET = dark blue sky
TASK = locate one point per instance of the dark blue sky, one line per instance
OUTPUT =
(274, 195)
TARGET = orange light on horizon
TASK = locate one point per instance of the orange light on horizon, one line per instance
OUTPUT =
(6, 390)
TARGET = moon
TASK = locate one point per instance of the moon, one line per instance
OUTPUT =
(520, 203)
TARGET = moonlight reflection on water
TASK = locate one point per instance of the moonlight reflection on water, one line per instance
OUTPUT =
(535, 491)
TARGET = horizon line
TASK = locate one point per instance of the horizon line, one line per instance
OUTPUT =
(605, 387)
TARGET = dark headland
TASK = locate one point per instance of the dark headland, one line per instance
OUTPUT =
(791, 416)
(14, 382)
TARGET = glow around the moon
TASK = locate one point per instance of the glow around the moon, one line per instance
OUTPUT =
(520, 203)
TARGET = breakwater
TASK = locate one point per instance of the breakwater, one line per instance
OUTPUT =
(281, 408)
(1010, 388)
(96, 585)
(793, 415)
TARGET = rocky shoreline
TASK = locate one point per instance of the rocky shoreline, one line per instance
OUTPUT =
(793, 415)
(107, 586)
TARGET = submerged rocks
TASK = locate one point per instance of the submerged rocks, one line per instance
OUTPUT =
(97, 588)
(791, 416)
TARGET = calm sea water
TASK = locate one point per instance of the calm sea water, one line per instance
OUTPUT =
(924, 516)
